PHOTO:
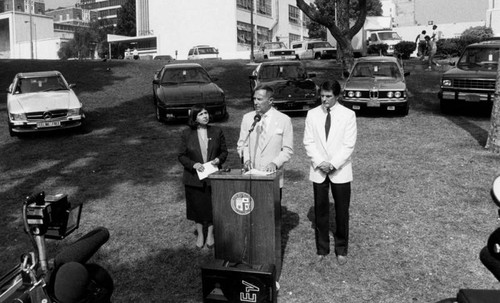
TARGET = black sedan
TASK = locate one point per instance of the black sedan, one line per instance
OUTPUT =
(294, 91)
(177, 87)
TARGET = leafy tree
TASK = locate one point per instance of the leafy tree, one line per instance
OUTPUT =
(126, 19)
(316, 30)
(323, 12)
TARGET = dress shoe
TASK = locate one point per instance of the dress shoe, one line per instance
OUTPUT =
(342, 259)
(321, 258)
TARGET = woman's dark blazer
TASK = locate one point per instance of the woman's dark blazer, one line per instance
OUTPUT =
(190, 152)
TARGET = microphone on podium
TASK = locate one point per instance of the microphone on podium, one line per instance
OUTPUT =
(256, 119)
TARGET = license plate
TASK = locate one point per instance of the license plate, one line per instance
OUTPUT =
(356, 107)
(373, 103)
(283, 57)
(472, 98)
(48, 124)
(391, 107)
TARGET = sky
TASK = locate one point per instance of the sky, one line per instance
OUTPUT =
(51, 4)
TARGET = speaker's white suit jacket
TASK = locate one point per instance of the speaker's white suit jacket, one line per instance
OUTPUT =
(337, 150)
(278, 146)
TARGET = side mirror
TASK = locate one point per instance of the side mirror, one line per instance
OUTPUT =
(155, 81)
(214, 79)
(407, 74)
(252, 77)
(495, 191)
(346, 74)
(72, 85)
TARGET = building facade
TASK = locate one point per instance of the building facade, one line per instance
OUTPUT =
(224, 24)
(105, 9)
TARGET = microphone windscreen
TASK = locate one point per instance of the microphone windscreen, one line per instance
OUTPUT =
(71, 283)
(256, 118)
(84, 248)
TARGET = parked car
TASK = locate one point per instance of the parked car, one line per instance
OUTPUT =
(178, 86)
(42, 101)
(376, 83)
(167, 58)
(472, 80)
(274, 51)
(314, 49)
(294, 91)
(201, 52)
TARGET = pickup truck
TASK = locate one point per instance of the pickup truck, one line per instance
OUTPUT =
(274, 51)
(472, 80)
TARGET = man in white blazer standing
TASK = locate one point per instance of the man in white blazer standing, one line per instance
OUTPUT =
(329, 138)
(270, 145)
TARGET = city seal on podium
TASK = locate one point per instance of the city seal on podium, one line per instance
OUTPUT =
(242, 203)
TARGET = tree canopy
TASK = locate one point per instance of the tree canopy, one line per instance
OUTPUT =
(126, 19)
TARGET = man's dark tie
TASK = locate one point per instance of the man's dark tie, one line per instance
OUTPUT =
(327, 122)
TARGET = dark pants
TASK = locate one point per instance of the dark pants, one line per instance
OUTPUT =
(341, 196)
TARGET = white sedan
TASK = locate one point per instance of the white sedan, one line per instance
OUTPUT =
(42, 101)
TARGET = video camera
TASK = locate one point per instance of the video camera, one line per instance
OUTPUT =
(43, 216)
(52, 216)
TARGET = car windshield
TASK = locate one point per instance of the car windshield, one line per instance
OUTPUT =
(377, 69)
(479, 58)
(40, 84)
(322, 45)
(389, 36)
(268, 72)
(275, 45)
(206, 50)
(185, 75)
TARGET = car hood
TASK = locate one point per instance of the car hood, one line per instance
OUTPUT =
(190, 93)
(370, 83)
(43, 101)
(473, 72)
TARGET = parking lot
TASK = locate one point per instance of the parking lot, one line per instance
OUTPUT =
(420, 211)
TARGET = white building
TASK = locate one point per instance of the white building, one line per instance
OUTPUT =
(224, 24)
(493, 16)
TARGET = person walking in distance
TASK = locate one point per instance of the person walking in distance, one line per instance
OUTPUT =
(329, 139)
(421, 45)
(432, 46)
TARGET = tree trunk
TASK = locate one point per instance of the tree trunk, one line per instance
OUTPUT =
(340, 28)
(493, 142)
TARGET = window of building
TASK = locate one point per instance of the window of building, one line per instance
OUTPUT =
(244, 4)
(263, 35)
(264, 7)
(244, 33)
(293, 14)
(293, 37)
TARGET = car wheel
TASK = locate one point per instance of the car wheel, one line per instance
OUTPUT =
(11, 133)
(317, 57)
(445, 106)
(160, 114)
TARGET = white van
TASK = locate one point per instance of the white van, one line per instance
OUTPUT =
(200, 52)
(314, 49)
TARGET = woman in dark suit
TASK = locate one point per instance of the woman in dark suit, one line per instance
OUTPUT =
(201, 143)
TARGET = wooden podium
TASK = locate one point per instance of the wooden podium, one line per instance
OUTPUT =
(247, 218)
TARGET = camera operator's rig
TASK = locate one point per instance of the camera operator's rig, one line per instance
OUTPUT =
(44, 217)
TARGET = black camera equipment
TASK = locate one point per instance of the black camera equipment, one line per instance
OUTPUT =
(66, 278)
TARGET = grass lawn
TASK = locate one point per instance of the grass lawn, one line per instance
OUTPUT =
(420, 210)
